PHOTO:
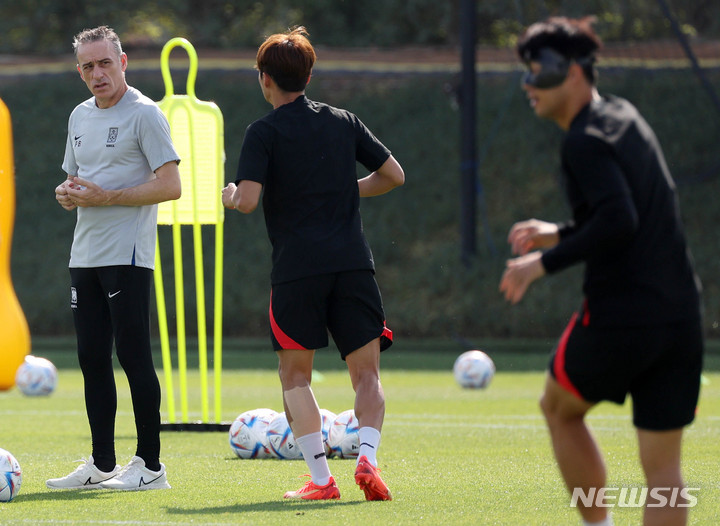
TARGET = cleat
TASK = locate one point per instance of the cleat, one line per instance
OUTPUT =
(135, 476)
(368, 478)
(86, 476)
(310, 491)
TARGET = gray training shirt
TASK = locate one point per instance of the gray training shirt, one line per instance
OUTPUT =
(117, 147)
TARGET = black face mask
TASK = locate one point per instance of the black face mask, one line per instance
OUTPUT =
(553, 68)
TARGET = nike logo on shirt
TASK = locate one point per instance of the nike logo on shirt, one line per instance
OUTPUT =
(113, 294)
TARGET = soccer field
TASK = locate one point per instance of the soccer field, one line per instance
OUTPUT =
(449, 455)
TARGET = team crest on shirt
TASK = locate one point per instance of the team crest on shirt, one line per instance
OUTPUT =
(112, 137)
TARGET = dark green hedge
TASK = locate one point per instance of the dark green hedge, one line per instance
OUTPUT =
(414, 230)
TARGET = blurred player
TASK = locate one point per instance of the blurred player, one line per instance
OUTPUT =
(639, 329)
(303, 155)
(120, 163)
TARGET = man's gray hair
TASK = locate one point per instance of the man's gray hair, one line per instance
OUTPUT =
(96, 34)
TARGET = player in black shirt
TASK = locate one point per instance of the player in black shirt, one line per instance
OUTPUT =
(302, 158)
(639, 329)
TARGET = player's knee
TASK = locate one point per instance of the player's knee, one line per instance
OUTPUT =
(291, 377)
(366, 380)
(552, 409)
(132, 363)
(91, 362)
(545, 406)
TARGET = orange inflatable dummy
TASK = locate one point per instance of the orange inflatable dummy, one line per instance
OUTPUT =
(14, 332)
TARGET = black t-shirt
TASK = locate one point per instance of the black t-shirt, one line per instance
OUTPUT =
(626, 223)
(304, 154)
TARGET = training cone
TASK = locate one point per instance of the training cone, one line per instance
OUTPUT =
(14, 335)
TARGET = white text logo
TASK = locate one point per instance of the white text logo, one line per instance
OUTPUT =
(635, 497)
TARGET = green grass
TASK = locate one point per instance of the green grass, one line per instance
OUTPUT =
(450, 456)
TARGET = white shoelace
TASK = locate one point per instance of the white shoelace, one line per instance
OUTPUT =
(85, 462)
(127, 467)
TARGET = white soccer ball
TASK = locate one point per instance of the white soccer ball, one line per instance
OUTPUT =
(36, 376)
(328, 417)
(343, 437)
(10, 476)
(248, 438)
(474, 369)
(281, 439)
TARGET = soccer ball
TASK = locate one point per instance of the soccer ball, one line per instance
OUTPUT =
(281, 439)
(36, 376)
(343, 438)
(328, 417)
(247, 433)
(10, 476)
(474, 369)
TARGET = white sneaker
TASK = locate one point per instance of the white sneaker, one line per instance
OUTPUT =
(86, 476)
(135, 476)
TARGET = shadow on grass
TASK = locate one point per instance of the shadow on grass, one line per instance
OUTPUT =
(272, 506)
(61, 495)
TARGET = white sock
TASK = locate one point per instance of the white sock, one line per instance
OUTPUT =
(369, 443)
(607, 521)
(313, 452)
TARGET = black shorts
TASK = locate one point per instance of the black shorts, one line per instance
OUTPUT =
(348, 304)
(660, 366)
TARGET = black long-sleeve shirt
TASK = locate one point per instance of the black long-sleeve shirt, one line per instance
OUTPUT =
(626, 223)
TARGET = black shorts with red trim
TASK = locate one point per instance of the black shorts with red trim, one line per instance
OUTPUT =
(347, 304)
(659, 366)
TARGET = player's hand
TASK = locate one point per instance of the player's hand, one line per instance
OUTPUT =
(227, 195)
(519, 274)
(86, 193)
(62, 196)
(532, 234)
